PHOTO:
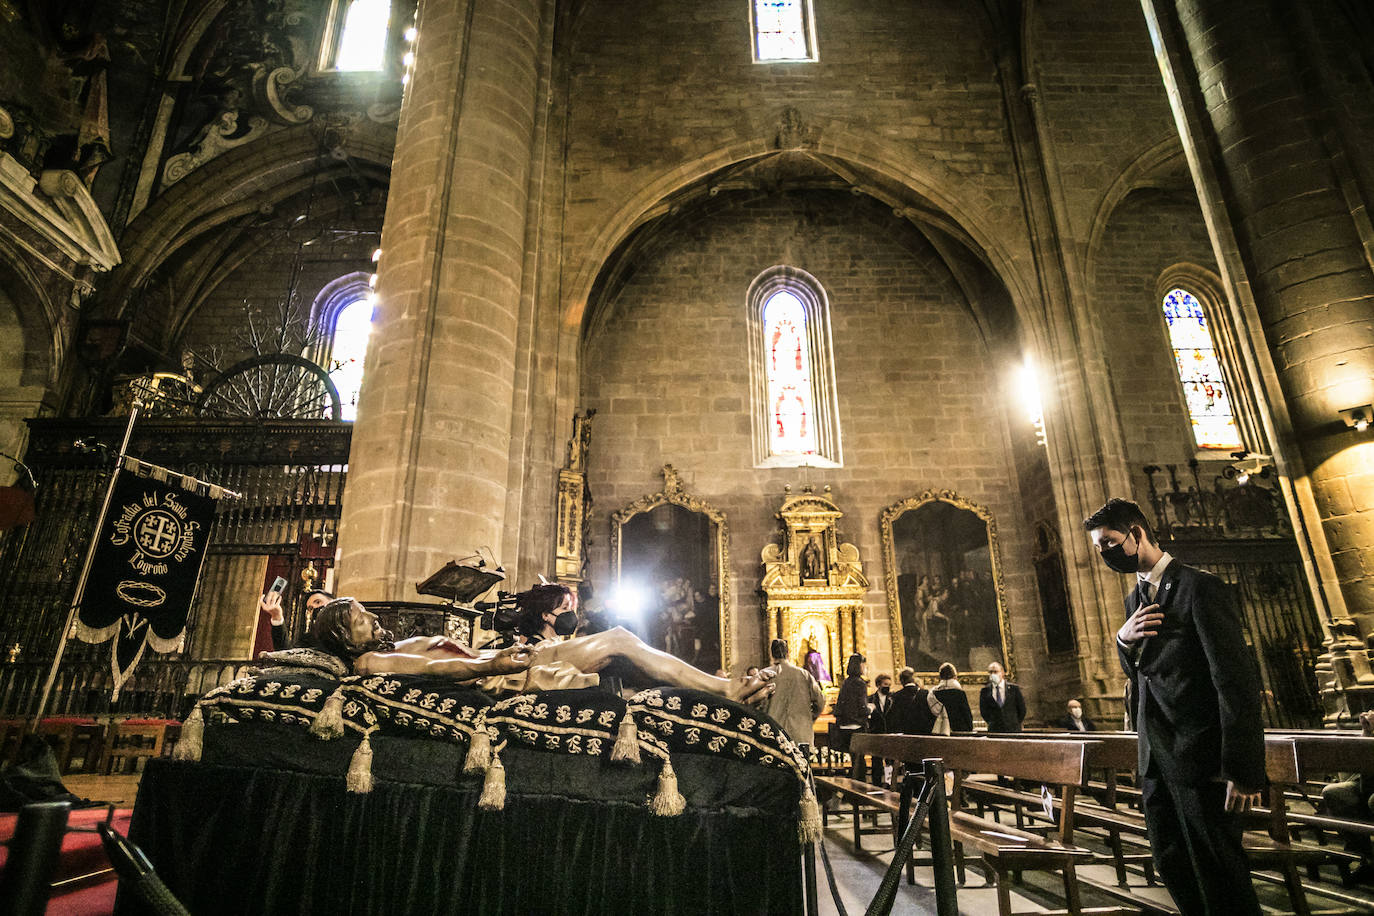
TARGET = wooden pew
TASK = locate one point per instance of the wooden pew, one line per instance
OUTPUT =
(1275, 848)
(1112, 753)
(861, 796)
(1004, 849)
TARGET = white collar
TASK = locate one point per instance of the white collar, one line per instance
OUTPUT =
(1156, 575)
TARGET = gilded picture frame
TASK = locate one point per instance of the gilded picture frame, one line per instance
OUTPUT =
(964, 635)
(673, 494)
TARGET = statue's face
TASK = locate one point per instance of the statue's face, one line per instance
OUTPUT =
(365, 631)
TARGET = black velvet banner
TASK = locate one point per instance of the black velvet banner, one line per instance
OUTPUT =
(147, 562)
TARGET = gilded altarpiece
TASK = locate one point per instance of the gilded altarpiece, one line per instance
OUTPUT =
(814, 587)
(574, 505)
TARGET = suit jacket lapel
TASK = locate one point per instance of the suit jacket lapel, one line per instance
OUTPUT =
(1164, 596)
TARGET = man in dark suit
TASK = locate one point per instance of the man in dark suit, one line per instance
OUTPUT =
(880, 707)
(1000, 703)
(1197, 711)
(1073, 719)
(911, 713)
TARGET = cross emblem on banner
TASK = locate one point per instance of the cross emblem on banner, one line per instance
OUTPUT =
(158, 533)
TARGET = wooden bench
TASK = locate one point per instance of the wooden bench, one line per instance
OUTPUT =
(1273, 848)
(1099, 805)
(1004, 849)
(862, 797)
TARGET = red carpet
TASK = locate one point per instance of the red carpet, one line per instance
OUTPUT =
(82, 854)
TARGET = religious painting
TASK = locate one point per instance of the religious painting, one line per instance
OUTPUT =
(944, 585)
(669, 554)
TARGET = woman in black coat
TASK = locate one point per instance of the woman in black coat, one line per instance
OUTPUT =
(950, 695)
(851, 706)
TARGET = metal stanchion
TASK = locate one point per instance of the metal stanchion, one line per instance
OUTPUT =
(941, 846)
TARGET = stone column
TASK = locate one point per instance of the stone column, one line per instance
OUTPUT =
(429, 466)
(1257, 88)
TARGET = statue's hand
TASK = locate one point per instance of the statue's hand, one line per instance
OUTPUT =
(509, 660)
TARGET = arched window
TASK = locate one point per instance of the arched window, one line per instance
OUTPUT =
(1205, 391)
(792, 378)
(343, 315)
(356, 38)
(784, 30)
(351, 329)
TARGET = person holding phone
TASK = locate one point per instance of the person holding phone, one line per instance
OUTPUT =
(270, 604)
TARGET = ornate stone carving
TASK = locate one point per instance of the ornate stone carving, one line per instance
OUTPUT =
(574, 504)
(793, 131)
(219, 135)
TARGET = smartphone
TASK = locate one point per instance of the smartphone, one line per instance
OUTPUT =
(278, 586)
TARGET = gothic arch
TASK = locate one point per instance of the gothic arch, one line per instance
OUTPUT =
(36, 315)
(255, 175)
(956, 203)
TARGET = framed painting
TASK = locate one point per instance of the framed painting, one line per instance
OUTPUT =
(669, 553)
(945, 597)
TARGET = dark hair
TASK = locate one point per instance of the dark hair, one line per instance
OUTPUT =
(777, 649)
(906, 676)
(331, 632)
(855, 666)
(948, 672)
(1119, 515)
(534, 603)
(317, 591)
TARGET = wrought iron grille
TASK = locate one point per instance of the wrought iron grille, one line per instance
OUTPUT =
(1241, 533)
(291, 474)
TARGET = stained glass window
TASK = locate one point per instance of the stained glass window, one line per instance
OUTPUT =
(792, 414)
(362, 38)
(1199, 368)
(351, 330)
(782, 30)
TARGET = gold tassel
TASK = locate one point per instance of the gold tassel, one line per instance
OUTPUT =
(191, 742)
(329, 723)
(359, 779)
(479, 752)
(809, 823)
(669, 801)
(626, 740)
(494, 787)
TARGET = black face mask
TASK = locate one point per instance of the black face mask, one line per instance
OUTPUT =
(565, 624)
(1118, 559)
(885, 690)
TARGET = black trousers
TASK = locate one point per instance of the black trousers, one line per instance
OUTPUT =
(1197, 848)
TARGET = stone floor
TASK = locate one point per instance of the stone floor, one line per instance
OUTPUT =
(858, 876)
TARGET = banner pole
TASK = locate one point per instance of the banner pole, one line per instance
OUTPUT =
(140, 391)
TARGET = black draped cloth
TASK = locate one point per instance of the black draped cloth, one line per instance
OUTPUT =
(264, 824)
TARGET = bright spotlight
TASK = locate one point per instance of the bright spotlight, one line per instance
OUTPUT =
(628, 599)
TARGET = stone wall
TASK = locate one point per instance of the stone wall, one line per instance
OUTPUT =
(918, 393)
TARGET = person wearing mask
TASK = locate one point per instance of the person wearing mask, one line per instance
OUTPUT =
(950, 704)
(851, 706)
(879, 706)
(912, 711)
(797, 700)
(1000, 703)
(1073, 719)
(1197, 696)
